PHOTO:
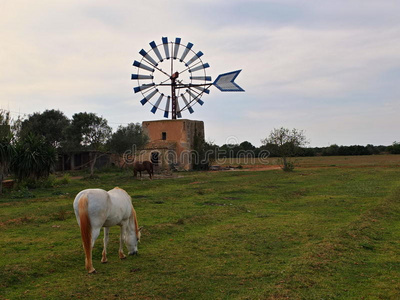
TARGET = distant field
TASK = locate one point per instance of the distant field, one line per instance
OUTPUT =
(328, 230)
(320, 161)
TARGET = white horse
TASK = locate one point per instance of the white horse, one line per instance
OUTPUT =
(96, 208)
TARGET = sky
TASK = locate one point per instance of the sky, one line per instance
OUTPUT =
(330, 68)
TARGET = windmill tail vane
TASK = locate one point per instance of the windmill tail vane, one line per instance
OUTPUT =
(176, 74)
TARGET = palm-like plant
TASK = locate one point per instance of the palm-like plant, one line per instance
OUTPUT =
(34, 158)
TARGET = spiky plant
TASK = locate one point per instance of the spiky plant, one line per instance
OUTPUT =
(34, 158)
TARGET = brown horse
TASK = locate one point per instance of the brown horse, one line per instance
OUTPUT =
(144, 166)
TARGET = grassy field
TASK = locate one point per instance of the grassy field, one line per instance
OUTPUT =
(320, 161)
(328, 230)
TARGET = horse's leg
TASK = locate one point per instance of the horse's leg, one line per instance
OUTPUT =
(121, 243)
(104, 257)
(148, 171)
(134, 173)
(95, 235)
(89, 263)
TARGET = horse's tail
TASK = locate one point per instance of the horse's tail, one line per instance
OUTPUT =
(86, 228)
(137, 231)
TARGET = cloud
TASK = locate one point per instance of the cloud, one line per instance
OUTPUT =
(305, 63)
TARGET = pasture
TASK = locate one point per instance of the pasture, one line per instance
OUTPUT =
(328, 230)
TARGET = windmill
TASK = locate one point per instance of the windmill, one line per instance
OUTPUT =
(172, 78)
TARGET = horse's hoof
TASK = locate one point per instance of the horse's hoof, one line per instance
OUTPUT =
(104, 261)
(93, 271)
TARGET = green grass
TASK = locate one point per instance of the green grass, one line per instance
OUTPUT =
(386, 160)
(315, 233)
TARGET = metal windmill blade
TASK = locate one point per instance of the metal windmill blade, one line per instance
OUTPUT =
(172, 77)
(170, 69)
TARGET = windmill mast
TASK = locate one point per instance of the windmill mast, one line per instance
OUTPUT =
(173, 94)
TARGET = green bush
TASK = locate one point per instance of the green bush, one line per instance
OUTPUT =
(50, 181)
(22, 193)
(288, 166)
(64, 180)
(394, 148)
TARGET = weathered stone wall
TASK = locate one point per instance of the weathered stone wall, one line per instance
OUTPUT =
(179, 140)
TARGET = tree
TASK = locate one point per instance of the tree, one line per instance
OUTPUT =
(394, 148)
(287, 143)
(247, 146)
(130, 137)
(50, 124)
(88, 131)
(7, 149)
(332, 150)
(200, 154)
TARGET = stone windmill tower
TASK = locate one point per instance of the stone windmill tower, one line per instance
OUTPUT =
(172, 78)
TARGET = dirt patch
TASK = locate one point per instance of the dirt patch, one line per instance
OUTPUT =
(17, 221)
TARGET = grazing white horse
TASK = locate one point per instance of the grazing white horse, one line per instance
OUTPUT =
(96, 208)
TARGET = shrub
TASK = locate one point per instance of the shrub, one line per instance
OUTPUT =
(64, 180)
(50, 181)
(288, 166)
(22, 193)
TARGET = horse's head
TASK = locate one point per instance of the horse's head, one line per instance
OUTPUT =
(131, 244)
(132, 236)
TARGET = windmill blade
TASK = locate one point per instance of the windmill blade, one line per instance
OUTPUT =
(176, 48)
(200, 88)
(201, 67)
(167, 107)
(187, 104)
(148, 97)
(194, 58)
(178, 110)
(143, 87)
(206, 78)
(195, 97)
(155, 49)
(188, 47)
(142, 66)
(137, 76)
(155, 107)
(166, 48)
(148, 57)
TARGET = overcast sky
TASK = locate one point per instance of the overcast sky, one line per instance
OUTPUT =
(331, 68)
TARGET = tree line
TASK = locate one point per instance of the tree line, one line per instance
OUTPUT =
(235, 150)
(29, 147)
